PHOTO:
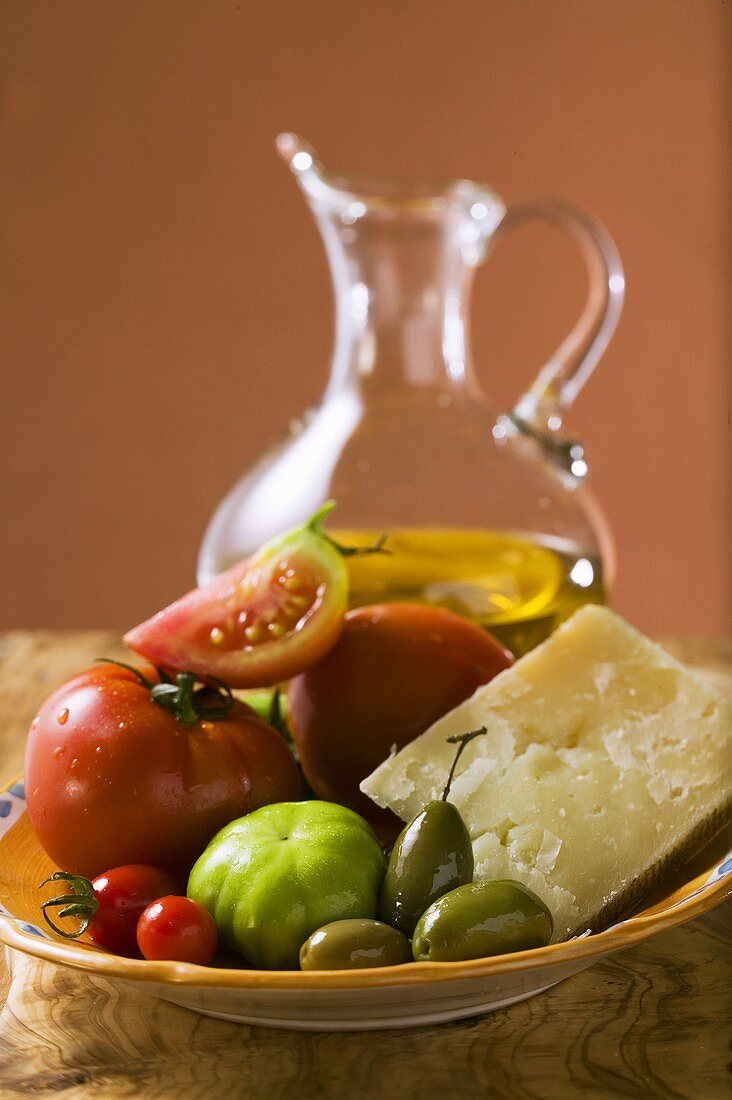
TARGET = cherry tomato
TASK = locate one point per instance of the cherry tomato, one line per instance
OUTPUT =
(113, 776)
(260, 622)
(395, 670)
(109, 907)
(123, 893)
(179, 929)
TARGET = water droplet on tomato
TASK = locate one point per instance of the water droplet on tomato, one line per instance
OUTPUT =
(63, 716)
(58, 752)
(121, 726)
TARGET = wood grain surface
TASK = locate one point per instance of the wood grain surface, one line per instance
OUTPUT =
(653, 1021)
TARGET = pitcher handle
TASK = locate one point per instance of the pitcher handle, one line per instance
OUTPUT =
(539, 411)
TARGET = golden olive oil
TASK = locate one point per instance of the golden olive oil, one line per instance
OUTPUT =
(518, 588)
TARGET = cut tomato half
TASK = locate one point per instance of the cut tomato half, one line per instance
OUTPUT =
(265, 620)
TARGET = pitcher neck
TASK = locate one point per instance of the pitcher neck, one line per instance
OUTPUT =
(402, 255)
(401, 296)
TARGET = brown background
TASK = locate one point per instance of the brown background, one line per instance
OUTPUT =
(165, 300)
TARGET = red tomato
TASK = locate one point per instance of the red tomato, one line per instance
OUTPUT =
(179, 929)
(396, 669)
(123, 893)
(114, 777)
(112, 904)
(261, 621)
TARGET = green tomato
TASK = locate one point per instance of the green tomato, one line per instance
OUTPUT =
(271, 878)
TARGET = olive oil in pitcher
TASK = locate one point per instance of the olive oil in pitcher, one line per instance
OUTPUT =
(517, 588)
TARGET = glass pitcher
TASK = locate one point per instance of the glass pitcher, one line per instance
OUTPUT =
(487, 513)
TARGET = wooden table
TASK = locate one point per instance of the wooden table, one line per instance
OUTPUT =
(653, 1021)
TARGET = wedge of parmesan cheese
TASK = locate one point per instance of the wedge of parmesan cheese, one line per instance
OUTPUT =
(604, 762)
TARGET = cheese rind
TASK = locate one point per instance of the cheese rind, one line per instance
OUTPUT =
(604, 760)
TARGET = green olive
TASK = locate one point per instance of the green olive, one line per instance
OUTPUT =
(354, 944)
(432, 855)
(481, 919)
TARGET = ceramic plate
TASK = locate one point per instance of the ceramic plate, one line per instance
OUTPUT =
(346, 1000)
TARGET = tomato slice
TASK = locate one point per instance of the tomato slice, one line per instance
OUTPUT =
(265, 620)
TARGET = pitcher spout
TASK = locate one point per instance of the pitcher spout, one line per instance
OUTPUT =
(478, 208)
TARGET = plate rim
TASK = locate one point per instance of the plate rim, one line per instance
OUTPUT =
(578, 950)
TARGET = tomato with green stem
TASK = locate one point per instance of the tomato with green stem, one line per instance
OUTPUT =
(127, 766)
(262, 621)
(108, 908)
